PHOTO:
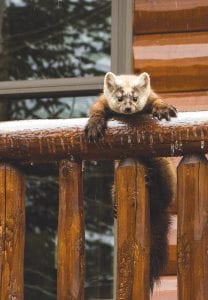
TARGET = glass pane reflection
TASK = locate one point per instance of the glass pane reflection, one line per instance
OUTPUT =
(51, 108)
(53, 39)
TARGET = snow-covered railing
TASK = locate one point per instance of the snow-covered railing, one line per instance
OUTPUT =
(44, 140)
(41, 141)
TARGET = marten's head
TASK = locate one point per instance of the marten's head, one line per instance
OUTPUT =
(127, 94)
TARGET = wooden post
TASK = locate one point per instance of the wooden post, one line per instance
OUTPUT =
(12, 232)
(133, 239)
(192, 228)
(70, 233)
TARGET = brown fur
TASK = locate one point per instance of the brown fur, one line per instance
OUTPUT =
(161, 179)
(101, 112)
(161, 182)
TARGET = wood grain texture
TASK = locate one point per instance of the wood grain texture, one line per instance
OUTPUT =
(12, 232)
(71, 259)
(171, 268)
(49, 140)
(133, 236)
(170, 16)
(176, 62)
(187, 101)
(192, 228)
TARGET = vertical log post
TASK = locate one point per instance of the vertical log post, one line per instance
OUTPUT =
(70, 232)
(193, 228)
(12, 232)
(133, 239)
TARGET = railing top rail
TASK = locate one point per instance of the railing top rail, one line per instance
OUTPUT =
(48, 140)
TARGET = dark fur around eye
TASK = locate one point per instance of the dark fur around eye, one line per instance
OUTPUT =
(120, 98)
(135, 98)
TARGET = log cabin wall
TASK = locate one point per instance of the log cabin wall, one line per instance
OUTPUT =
(171, 43)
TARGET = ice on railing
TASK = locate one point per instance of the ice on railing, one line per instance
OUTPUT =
(202, 144)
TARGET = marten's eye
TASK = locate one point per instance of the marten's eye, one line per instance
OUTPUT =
(120, 98)
(134, 98)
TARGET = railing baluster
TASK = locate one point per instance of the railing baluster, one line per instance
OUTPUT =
(193, 228)
(12, 232)
(132, 232)
(70, 232)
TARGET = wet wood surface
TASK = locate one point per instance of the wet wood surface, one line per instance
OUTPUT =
(45, 140)
(12, 232)
(133, 241)
(176, 62)
(170, 16)
(192, 228)
(71, 258)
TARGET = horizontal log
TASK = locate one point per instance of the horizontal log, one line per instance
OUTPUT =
(49, 140)
(187, 101)
(170, 16)
(176, 62)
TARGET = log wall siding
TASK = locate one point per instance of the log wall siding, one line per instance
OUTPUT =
(170, 43)
(163, 16)
(176, 62)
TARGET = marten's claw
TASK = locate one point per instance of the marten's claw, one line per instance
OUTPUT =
(94, 132)
(164, 112)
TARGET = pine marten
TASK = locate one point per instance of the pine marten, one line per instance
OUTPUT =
(132, 95)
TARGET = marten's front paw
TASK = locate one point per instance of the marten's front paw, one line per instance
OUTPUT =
(164, 111)
(95, 131)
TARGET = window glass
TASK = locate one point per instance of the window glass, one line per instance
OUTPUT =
(51, 108)
(57, 39)
(40, 240)
(98, 177)
(54, 38)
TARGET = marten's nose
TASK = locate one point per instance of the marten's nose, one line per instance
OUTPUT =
(128, 109)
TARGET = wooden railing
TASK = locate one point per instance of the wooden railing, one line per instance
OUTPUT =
(38, 141)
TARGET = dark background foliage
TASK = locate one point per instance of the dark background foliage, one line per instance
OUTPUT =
(54, 39)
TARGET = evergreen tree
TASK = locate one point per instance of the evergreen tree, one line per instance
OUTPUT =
(54, 39)
(50, 39)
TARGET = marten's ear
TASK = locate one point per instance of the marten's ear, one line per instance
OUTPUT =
(109, 81)
(143, 80)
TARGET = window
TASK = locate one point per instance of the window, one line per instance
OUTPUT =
(54, 54)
